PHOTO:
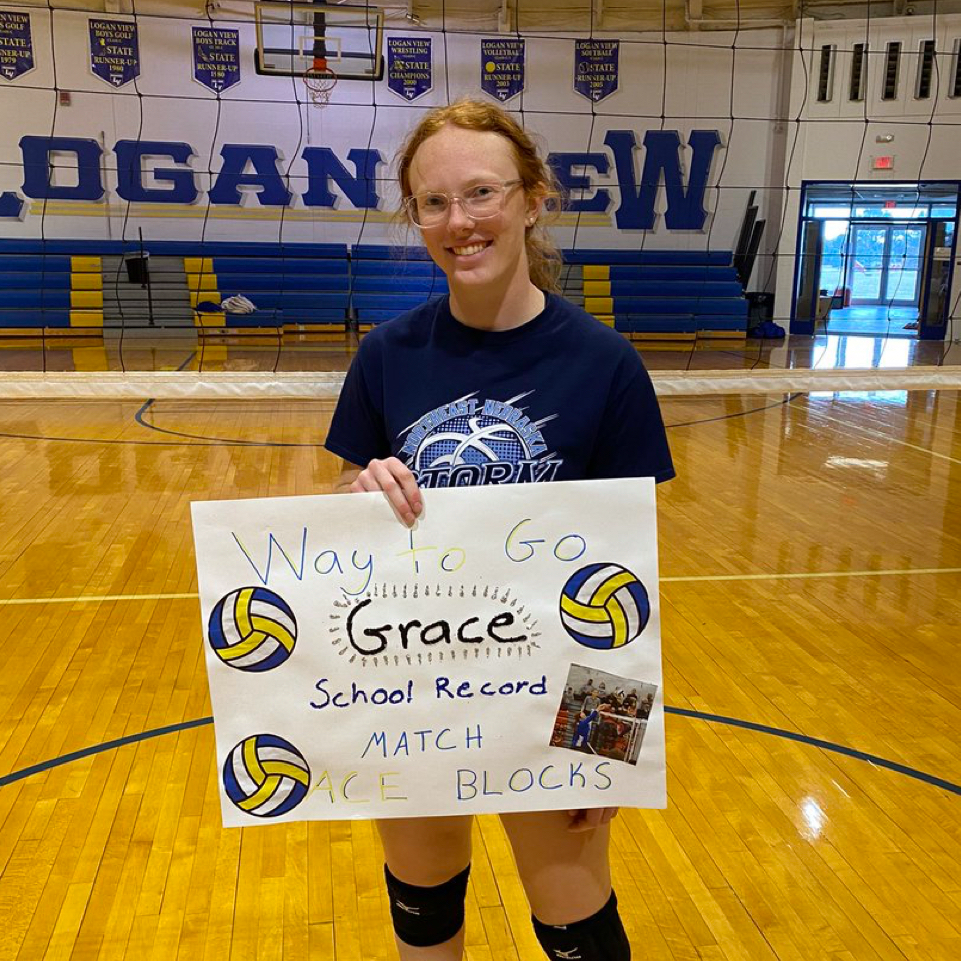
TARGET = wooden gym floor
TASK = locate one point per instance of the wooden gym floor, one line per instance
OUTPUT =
(811, 556)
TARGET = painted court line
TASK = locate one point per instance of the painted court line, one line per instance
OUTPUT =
(95, 598)
(810, 575)
(830, 746)
(688, 579)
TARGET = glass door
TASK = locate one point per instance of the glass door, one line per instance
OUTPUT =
(866, 263)
(903, 265)
(884, 263)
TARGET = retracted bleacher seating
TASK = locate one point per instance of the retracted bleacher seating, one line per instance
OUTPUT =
(386, 281)
(70, 284)
(48, 286)
(291, 285)
(658, 291)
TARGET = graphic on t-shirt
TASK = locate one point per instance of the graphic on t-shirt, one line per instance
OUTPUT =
(472, 441)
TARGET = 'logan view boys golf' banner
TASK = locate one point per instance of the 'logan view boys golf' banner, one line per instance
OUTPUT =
(503, 655)
(114, 51)
(16, 44)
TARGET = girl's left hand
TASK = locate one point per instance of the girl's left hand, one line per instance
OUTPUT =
(587, 819)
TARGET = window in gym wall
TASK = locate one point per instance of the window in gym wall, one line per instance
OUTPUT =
(922, 87)
(826, 74)
(892, 66)
(859, 72)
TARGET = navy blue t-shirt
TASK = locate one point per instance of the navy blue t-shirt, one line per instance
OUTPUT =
(562, 397)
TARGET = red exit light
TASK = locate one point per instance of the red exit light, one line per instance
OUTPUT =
(884, 163)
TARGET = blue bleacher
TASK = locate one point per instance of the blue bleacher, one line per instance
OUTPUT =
(719, 258)
(654, 291)
(664, 291)
(34, 289)
(386, 281)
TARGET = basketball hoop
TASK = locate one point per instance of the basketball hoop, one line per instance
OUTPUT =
(320, 81)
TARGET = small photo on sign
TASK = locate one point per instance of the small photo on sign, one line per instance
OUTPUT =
(603, 714)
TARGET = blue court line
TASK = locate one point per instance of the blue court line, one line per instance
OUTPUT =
(824, 745)
(100, 749)
(741, 413)
(212, 441)
(683, 712)
(205, 441)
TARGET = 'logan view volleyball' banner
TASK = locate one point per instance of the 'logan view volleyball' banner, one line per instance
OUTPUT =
(502, 655)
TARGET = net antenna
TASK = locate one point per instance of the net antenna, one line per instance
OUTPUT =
(319, 78)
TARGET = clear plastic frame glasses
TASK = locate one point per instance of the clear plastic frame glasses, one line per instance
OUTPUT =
(480, 202)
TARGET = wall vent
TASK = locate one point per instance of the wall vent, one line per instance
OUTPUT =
(859, 72)
(922, 87)
(892, 67)
(826, 73)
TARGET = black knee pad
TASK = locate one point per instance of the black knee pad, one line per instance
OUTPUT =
(424, 917)
(600, 937)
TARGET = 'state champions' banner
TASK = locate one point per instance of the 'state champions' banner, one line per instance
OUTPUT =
(410, 69)
(502, 67)
(16, 45)
(502, 655)
(216, 54)
(596, 68)
(114, 51)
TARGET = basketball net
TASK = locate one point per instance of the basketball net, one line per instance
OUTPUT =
(320, 81)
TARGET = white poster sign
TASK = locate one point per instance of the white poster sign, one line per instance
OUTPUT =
(502, 655)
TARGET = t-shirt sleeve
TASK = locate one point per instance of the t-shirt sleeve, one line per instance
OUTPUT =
(633, 442)
(357, 431)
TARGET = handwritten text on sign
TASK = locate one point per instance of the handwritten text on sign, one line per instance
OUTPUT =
(503, 655)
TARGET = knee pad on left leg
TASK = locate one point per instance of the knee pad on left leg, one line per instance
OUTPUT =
(600, 937)
(425, 916)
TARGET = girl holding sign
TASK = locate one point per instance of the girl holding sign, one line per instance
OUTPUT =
(530, 388)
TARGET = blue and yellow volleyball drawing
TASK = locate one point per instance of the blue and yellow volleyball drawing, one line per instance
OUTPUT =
(252, 629)
(266, 776)
(604, 606)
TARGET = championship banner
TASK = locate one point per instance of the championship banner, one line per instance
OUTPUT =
(114, 51)
(16, 45)
(502, 655)
(502, 68)
(410, 68)
(216, 55)
(596, 68)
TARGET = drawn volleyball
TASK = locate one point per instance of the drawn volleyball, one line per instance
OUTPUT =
(252, 629)
(604, 606)
(266, 776)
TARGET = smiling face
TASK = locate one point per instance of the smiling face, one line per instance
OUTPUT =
(474, 253)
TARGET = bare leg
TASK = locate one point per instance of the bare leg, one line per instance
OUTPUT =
(428, 852)
(566, 875)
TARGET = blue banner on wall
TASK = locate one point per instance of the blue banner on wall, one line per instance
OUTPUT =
(410, 70)
(114, 51)
(502, 67)
(595, 68)
(16, 45)
(216, 57)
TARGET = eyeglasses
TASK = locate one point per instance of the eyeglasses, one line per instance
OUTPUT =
(480, 202)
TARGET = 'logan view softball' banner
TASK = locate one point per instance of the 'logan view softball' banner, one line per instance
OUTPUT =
(502, 655)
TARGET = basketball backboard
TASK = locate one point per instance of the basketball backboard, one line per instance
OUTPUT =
(293, 38)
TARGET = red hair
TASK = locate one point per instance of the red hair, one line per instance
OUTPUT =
(543, 257)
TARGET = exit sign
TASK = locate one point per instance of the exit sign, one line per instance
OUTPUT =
(883, 163)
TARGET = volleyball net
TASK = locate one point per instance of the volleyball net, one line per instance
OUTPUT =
(172, 177)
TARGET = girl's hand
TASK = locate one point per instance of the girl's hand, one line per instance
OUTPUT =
(587, 819)
(395, 479)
